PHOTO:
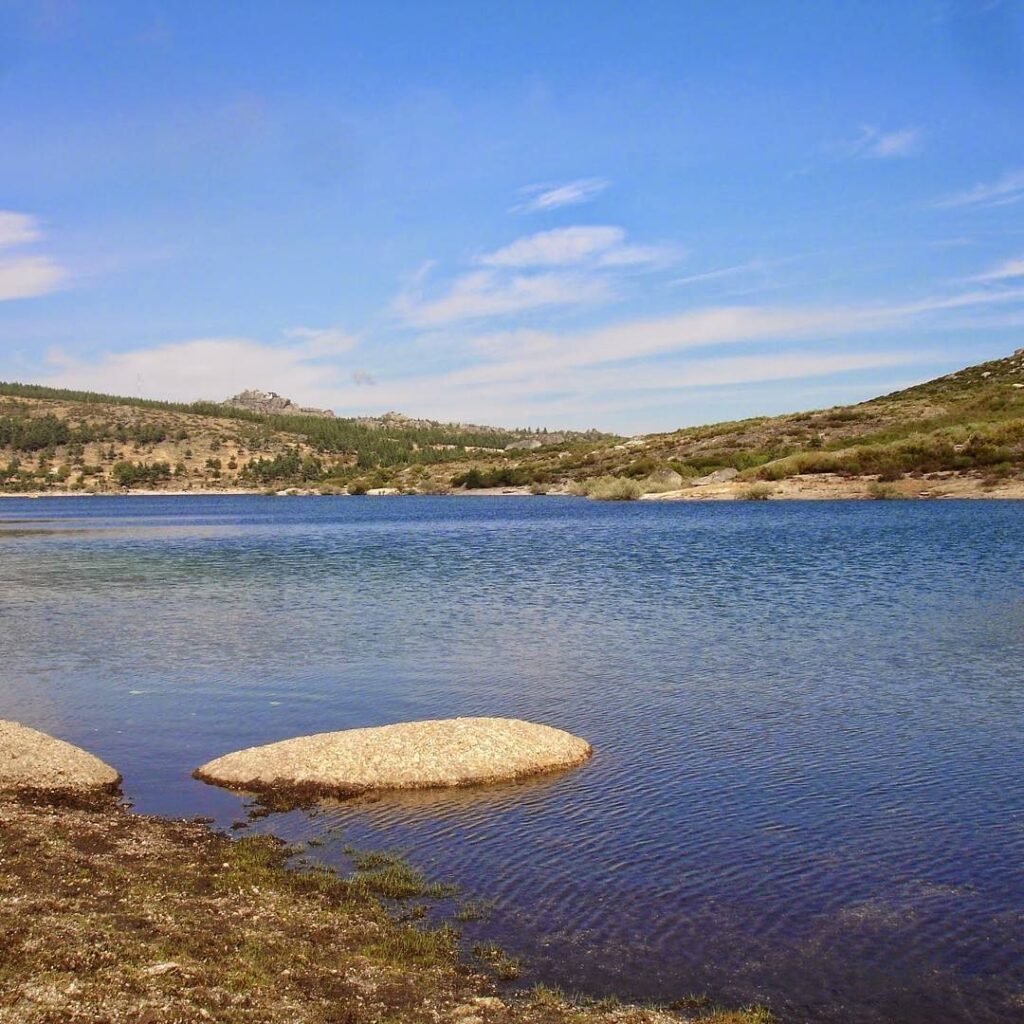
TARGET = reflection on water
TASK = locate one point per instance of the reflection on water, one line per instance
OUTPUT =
(807, 717)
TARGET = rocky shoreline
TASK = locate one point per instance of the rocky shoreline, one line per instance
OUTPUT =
(112, 917)
(807, 487)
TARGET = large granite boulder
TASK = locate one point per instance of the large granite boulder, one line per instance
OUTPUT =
(33, 761)
(410, 755)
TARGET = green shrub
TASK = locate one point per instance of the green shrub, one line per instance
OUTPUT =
(131, 474)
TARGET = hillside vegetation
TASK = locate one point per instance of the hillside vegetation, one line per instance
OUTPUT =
(968, 425)
(56, 439)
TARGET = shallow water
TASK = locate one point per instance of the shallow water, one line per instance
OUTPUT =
(807, 786)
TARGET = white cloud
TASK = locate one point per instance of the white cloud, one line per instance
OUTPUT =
(25, 277)
(29, 277)
(562, 267)
(551, 197)
(639, 256)
(874, 144)
(1007, 271)
(1006, 190)
(17, 228)
(540, 376)
(601, 246)
(322, 341)
(205, 368)
(485, 293)
(519, 365)
(895, 144)
(558, 247)
(534, 354)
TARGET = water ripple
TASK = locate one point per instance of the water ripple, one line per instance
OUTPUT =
(807, 717)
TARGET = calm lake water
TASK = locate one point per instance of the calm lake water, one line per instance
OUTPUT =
(808, 786)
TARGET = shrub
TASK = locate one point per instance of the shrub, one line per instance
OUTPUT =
(882, 492)
(613, 488)
(130, 474)
(499, 476)
(758, 492)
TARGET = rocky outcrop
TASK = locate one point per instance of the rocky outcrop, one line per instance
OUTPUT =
(270, 403)
(410, 755)
(664, 479)
(528, 444)
(33, 761)
(719, 476)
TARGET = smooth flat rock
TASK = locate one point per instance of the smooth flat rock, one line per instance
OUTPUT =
(32, 760)
(410, 755)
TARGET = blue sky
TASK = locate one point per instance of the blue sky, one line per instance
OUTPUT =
(632, 216)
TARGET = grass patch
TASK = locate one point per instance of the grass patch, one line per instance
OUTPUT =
(388, 874)
(613, 488)
(878, 491)
(504, 967)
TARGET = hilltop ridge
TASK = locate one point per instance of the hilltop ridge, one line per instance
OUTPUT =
(270, 403)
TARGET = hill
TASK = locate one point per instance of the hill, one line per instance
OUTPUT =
(53, 439)
(962, 433)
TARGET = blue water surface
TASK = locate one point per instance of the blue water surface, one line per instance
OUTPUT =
(807, 716)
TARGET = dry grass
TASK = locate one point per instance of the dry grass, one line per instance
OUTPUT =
(613, 488)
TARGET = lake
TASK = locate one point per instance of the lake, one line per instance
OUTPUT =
(807, 786)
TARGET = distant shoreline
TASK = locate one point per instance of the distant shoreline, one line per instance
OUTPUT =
(809, 487)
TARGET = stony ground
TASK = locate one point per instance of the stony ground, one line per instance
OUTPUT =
(108, 916)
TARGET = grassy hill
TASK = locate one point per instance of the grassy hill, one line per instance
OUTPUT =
(969, 420)
(968, 424)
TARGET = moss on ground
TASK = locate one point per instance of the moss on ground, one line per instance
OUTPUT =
(108, 916)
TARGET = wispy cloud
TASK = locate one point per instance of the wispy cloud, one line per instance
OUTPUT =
(17, 228)
(552, 375)
(723, 272)
(1006, 271)
(597, 245)
(1002, 192)
(570, 266)
(29, 277)
(25, 277)
(322, 341)
(559, 247)
(486, 293)
(540, 198)
(872, 143)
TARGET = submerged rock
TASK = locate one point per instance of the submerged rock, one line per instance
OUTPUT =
(410, 755)
(33, 761)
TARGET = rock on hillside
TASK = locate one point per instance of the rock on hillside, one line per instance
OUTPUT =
(270, 403)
